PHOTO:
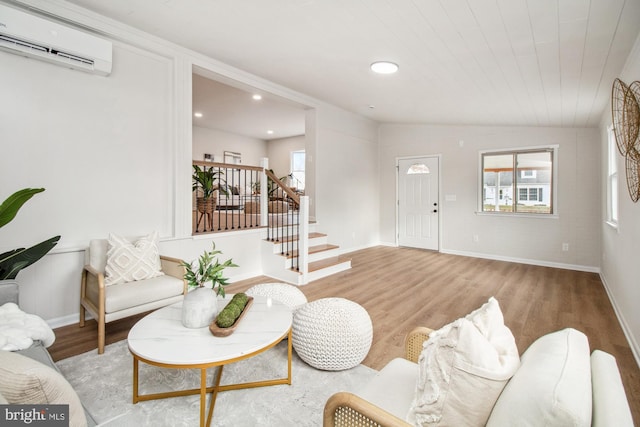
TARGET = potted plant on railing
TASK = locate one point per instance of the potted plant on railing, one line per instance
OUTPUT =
(200, 306)
(205, 184)
(13, 261)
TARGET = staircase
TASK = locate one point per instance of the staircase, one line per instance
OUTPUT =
(324, 259)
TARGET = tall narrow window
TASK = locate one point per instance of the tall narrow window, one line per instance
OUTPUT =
(518, 181)
(612, 179)
(297, 170)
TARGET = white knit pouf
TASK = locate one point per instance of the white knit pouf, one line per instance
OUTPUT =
(288, 295)
(332, 334)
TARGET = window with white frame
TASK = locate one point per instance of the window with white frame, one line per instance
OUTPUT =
(612, 179)
(297, 170)
(518, 181)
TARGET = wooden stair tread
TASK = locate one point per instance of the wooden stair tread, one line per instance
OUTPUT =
(313, 235)
(328, 262)
(313, 250)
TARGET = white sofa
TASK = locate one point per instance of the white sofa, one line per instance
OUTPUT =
(38, 378)
(557, 384)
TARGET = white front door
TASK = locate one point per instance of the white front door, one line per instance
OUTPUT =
(418, 203)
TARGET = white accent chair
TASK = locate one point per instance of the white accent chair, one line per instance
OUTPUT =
(547, 389)
(114, 302)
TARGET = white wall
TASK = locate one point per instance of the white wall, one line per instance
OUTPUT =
(279, 153)
(101, 146)
(346, 178)
(534, 240)
(103, 149)
(620, 255)
(216, 142)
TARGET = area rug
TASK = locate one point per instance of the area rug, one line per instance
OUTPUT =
(104, 385)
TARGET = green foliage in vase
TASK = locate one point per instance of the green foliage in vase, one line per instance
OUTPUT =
(207, 269)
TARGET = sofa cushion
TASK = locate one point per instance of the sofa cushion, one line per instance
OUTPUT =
(610, 406)
(552, 387)
(393, 388)
(25, 381)
(463, 368)
(127, 295)
(9, 291)
(39, 353)
(130, 261)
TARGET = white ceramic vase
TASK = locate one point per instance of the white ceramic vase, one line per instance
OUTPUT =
(199, 308)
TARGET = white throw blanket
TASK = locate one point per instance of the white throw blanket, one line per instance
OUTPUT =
(18, 329)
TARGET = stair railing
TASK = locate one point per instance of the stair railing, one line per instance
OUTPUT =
(234, 202)
(290, 226)
(254, 197)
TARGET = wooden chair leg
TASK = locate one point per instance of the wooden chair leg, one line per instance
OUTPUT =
(101, 335)
(82, 315)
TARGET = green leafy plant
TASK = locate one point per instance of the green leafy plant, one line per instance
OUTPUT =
(13, 261)
(205, 180)
(207, 269)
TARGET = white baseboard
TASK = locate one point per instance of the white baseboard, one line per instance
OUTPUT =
(586, 268)
(633, 344)
(69, 319)
(343, 251)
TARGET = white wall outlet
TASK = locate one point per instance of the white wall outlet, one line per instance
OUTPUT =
(565, 247)
(476, 238)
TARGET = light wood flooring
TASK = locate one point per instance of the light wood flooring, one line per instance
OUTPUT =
(402, 288)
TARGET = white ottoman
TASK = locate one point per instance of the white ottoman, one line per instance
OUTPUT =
(332, 334)
(285, 293)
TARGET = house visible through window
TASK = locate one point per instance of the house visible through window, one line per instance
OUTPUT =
(518, 181)
(612, 180)
(297, 170)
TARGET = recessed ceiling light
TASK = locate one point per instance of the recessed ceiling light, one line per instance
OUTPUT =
(270, 132)
(384, 67)
(257, 97)
(197, 114)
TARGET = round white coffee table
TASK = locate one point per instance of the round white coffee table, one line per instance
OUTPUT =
(159, 339)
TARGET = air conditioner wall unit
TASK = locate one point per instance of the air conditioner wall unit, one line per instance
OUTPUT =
(29, 35)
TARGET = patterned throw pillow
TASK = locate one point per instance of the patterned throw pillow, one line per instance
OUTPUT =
(128, 262)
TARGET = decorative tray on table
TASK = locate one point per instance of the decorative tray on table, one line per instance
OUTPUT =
(217, 331)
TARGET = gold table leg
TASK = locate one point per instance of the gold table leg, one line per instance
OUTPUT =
(135, 380)
(214, 389)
